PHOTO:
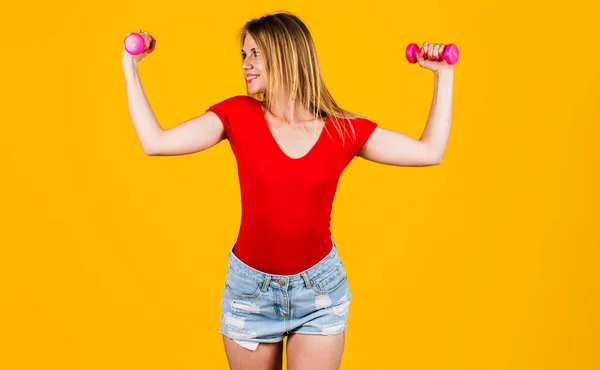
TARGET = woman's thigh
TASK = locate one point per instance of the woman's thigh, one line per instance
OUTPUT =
(315, 352)
(267, 356)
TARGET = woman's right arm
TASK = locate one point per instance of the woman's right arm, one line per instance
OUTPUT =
(191, 136)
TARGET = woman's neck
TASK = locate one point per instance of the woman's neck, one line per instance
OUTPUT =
(296, 114)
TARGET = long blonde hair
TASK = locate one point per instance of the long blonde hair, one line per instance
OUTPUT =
(292, 68)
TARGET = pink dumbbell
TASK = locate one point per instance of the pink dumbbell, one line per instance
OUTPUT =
(450, 54)
(135, 43)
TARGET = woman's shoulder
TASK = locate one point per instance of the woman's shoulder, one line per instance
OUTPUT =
(239, 100)
(355, 125)
(235, 107)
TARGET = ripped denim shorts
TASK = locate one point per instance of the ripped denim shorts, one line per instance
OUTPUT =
(260, 307)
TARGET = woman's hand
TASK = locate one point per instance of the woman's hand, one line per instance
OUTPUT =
(427, 57)
(132, 60)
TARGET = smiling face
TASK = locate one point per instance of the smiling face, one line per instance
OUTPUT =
(253, 67)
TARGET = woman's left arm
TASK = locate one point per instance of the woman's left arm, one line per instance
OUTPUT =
(394, 148)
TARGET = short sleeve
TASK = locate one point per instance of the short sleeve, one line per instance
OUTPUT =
(229, 112)
(363, 129)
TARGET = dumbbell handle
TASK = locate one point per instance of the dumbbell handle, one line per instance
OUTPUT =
(135, 43)
(450, 54)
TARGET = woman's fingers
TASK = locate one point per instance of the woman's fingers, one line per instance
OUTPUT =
(432, 51)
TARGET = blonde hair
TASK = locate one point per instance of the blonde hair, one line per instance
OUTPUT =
(292, 68)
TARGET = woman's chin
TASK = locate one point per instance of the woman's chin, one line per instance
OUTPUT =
(254, 91)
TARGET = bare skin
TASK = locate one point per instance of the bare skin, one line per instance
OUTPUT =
(315, 352)
(268, 356)
(303, 351)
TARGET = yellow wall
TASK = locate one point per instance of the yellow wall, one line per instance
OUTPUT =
(111, 259)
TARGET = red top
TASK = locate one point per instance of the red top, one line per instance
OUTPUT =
(286, 202)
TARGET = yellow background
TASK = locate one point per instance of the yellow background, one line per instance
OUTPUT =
(111, 259)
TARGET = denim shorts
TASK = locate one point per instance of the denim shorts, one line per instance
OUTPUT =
(263, 308)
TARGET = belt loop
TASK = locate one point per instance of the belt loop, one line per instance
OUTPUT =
(306, 280)
(266, 283)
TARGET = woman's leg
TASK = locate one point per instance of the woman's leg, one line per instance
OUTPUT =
(314, 351)
(268, 356)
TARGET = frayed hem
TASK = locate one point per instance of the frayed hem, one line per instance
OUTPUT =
(255, 340)
(326, 334)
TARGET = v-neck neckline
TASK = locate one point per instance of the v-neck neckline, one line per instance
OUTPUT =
(274, 140)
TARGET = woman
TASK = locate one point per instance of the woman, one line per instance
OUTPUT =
(291, 142)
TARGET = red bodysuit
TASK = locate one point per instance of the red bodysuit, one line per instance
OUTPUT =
(286, 202)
